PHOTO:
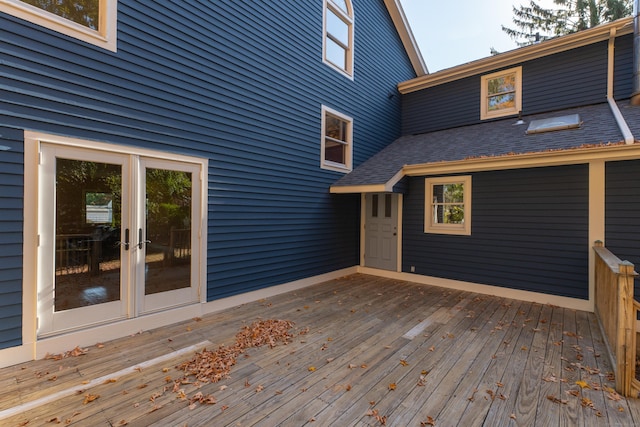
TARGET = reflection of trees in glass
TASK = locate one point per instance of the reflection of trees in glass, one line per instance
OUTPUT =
(336, 139)
(83, 12)
(501, 91)
(168, 202)
(97, 199)
(449, 203)
(76, 179)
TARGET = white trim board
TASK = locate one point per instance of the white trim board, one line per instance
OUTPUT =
(566, 302)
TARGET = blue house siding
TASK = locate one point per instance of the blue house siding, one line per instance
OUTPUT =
(521, 219)
(11, 227)
(622, 213)
(623, 68)
(579, 78)
(239, 83)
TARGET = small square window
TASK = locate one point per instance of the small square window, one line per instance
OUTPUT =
(93, 21)
(336, 141)
(501, 94)
(448, 205)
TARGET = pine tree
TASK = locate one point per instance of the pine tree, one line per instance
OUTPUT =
(536, 23)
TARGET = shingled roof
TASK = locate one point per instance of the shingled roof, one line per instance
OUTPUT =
(490, 139)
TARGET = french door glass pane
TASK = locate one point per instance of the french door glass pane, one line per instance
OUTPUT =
(88, 220)
(168, 230)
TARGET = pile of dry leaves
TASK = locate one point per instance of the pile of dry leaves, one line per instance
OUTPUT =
(212, 366)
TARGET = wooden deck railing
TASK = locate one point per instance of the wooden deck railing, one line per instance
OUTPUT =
(617, 313)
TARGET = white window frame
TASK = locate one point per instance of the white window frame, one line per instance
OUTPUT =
(105, 37)
(430, 226)
(347, 18)
(327, 164)
(484, 96)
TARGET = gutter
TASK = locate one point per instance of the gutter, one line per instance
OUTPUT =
(622, 124)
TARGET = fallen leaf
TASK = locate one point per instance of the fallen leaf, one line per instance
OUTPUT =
(429, 422)
(557, 400)
(311, 368)
(90, 398)
(582, 384)
(613, 395)
(404, 362)
(392, 386)
(586, 402)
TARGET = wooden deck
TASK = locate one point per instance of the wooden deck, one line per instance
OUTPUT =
(377, 352)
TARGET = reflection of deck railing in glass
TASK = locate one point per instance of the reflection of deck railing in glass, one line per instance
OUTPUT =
(74, 253)
(179, 249)
(85, 273)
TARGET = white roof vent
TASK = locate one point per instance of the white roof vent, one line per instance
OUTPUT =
(570, 121)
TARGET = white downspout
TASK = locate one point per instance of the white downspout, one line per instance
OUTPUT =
(622, 124)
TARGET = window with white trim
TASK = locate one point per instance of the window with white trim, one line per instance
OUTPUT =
(338, 35)
(448, 205)
(337, 137)
(93, 21)
(501, 93)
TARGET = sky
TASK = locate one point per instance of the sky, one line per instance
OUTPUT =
(453, 32)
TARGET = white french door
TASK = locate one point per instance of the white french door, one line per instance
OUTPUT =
(118, 236)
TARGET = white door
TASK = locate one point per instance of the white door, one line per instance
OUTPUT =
(166, 255)
(118, 236)
(381, 231)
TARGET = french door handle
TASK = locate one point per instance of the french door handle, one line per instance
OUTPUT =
(126, 240)
(140, 241)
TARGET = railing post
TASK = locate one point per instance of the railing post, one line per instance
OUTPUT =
(626, 314)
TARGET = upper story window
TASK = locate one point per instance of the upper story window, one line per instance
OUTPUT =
(337, 134)
(338, 35)
(93, 21)
(501, 93)
(448, 205)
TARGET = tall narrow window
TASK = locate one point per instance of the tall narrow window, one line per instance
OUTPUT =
(338, 35)
(501, 93)
(337, 136)
(93, 21)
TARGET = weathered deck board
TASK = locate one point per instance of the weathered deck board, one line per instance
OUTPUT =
(490, 362)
